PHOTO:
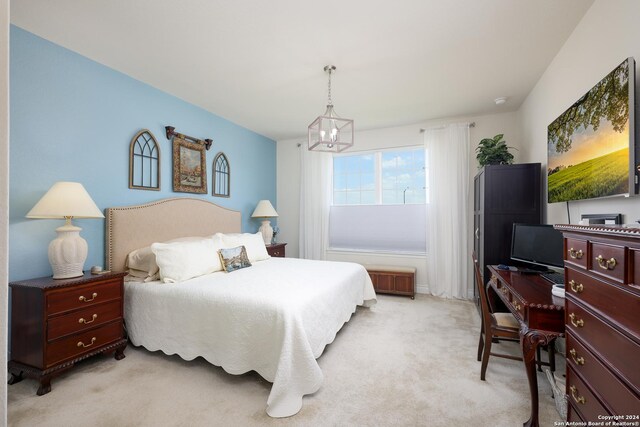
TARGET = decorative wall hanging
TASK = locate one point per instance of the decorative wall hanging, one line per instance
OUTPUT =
(221, 176)
(171, 131)
(189, 162)
(189, 167)
(144, 162)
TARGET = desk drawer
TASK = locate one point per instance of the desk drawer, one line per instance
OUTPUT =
(600, 378)
(613, 348)
(62, 300)
(68, 348)
(615, 303)
(575, 252)
(582, 399)
(81, 320)
(609, 261)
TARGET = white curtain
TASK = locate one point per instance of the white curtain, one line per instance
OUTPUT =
(448, 210)
(315, 200)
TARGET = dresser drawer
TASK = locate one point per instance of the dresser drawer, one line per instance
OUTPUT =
(62, 300)
(582, 399)
(83, 319)
(600, 378)
(614, 348)
(575, 252)
(617, 304)
(609, 261)
(634, 270)
(76, 345)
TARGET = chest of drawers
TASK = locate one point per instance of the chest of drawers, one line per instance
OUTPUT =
(602, 285)
(55, 323)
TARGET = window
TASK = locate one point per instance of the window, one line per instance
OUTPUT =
(379, 201)
(381, 178)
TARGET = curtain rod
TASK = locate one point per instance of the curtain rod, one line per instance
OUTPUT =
(423, 130)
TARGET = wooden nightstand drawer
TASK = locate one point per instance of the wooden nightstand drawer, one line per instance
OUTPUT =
(67, 299)
(81, 320)
(276, 250)
(75, 345)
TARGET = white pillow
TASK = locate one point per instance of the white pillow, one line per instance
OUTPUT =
(143, 259)
(180, 261)
(254, 243)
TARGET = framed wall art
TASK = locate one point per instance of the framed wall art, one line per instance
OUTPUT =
(189, 167)
(144, 162)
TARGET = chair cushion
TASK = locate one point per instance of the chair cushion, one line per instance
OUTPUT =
(506, 320)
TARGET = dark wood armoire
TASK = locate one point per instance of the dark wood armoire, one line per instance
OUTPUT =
(503, 195)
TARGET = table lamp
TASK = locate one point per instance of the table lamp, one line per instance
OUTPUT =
(265, 210)
(68, 251)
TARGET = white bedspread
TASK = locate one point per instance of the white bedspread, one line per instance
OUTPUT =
(275, 318)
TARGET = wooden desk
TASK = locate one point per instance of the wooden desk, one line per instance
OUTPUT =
(541, 317)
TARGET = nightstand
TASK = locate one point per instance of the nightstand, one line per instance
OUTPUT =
(56, 323)
(276, 249)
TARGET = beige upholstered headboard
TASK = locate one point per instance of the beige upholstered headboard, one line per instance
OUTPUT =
(132, 227)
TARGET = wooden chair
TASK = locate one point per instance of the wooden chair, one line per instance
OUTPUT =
(502, 326)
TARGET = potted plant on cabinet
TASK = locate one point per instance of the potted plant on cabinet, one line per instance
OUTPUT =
(494, 151)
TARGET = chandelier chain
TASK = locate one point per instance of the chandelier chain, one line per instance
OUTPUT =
(329, 91)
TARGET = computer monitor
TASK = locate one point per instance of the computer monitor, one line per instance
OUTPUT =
(537, 245)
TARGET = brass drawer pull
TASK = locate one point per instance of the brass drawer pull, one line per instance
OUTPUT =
(574, 393)
(578, 360)
(575, 254)
(576, 287)
(84, 299)
(86, 322)
(577, 323)
(81, 344)
(606, 264)
(517, 306)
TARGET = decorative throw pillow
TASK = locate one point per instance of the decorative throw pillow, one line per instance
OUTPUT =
(234, 258)
(253, 243)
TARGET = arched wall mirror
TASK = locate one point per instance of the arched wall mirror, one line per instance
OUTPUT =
(144, 162)
(221, 176)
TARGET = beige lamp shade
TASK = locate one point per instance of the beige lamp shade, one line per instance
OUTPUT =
(65, 199)
(264, 210)
(68, 251)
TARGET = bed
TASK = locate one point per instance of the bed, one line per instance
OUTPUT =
(275, 317)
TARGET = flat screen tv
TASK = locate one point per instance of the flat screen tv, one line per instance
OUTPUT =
(537, 245)
(591, 146)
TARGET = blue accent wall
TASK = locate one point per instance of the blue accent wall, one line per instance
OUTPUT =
(73, 119)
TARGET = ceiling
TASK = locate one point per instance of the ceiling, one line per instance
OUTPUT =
(260, 63)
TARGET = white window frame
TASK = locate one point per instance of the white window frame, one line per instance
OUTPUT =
(378, 173)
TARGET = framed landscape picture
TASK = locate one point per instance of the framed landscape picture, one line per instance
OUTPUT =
(591, 150)
(189, 167)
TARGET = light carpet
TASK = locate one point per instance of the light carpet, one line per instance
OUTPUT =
(402, 363)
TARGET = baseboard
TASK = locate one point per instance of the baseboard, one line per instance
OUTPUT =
(422, 289)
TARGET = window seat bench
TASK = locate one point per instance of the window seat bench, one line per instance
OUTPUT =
(393, 279)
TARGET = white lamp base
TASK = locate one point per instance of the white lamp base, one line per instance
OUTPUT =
(267, 231)
(68, 252)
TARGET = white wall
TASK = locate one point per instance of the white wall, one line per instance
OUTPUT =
(608, 33)
(288, 179)
(4, 202)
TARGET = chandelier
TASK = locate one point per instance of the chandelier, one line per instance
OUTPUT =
(330, 132)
